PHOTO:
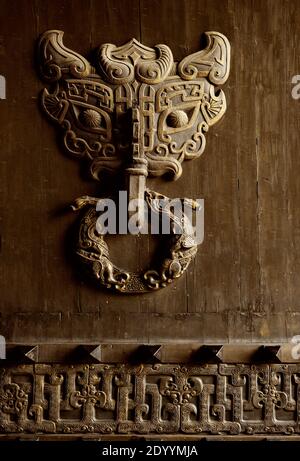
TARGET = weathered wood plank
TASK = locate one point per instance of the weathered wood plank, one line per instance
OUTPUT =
(244, 284)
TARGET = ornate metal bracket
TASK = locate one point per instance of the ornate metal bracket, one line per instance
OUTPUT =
(141, 112)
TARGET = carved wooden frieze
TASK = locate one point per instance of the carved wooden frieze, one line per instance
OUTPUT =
(216, 399)
(137, 111)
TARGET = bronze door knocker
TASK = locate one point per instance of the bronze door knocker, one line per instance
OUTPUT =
(168, 106)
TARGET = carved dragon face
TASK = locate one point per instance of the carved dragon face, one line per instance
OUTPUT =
(136, 107)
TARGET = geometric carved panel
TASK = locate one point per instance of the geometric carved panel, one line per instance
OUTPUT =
(159, 399)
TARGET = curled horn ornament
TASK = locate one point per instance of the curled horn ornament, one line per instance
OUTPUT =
(155, 71)
(213, 62)
(120, 65)
(57, 60)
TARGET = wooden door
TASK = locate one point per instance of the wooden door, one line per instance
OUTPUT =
(240, 292)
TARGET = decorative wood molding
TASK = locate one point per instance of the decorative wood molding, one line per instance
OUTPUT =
(241, 400)
(137, 353)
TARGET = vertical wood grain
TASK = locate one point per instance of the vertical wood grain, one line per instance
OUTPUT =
(244, 283)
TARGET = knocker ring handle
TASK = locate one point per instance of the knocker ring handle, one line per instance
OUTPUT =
(93, 251)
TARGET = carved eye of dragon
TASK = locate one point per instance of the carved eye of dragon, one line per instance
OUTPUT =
(170, 106)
